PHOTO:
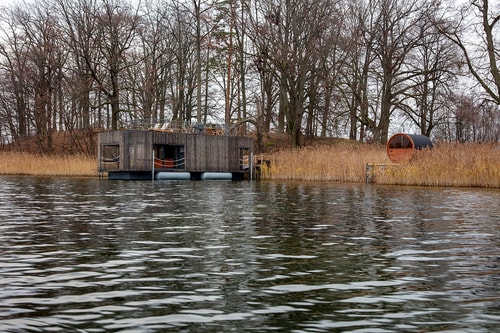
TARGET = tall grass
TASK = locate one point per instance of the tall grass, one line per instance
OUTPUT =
(343, 162)
(12, 163)
(450, 164)
(472, 165)
(475, 165)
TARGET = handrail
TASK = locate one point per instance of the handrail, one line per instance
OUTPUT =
(172, 163)
(110, 160)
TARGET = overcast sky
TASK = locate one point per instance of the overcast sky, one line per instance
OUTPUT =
(8, 2)
(5, 2)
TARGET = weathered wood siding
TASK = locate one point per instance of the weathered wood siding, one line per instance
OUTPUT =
(139, 150)
(215, 153)
(202, 152)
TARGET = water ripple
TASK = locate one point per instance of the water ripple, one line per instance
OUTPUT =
(101, 256)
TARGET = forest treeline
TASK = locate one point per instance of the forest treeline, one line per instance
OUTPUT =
(358, 69)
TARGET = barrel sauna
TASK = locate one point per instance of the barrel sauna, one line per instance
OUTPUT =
(402, 146)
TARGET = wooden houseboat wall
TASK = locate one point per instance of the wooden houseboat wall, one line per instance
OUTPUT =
(128, 154)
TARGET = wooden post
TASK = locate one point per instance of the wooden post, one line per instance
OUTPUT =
(153, 168)
(251, 166)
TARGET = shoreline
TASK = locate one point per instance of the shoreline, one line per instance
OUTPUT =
(446, 165)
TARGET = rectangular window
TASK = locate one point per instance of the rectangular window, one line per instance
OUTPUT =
(110, 157)
(169, 157)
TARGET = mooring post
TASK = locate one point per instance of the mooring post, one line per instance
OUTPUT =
(370, 170)
(251, 166)
(153, 168)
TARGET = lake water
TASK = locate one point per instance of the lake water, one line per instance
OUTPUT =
(90, 255)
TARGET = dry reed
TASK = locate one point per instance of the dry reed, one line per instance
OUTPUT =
(471, 165)
(450, 164)
(12, 163)
(343, 162)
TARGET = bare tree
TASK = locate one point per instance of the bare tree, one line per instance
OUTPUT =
(474, 120)
(42, 67)
(489, 123)
(117, 23)
(183, 72)
(434, 63)
(357, 44)
(324, 101)
(379, 39)
(294, 29)
(15, 94)
(394, 31)
(313, 67)
(476, 21)
(77, 25)
(154, 60)
(267, 96)
(101, 34)
(228, 58)
(200, 9)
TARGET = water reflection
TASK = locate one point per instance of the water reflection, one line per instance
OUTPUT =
(104, 256)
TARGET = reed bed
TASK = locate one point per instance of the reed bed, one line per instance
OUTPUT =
(343, 162)
(450, 164)
(13, 163)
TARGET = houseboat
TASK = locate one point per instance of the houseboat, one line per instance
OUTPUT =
(163, 151)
